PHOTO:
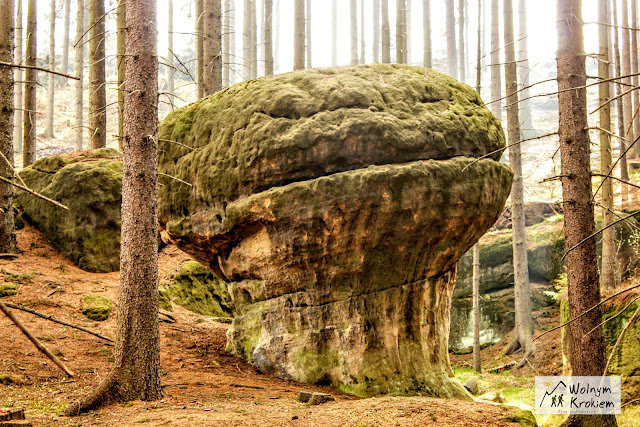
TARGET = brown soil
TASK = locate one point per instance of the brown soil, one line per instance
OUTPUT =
(203, 385)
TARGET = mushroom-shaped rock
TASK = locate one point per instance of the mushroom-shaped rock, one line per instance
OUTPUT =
(336, 202)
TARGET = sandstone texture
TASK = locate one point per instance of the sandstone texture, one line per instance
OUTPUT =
(336, 203)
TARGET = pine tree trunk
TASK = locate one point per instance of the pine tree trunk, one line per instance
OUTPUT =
(523, 331)
(362, 44)
(624, 172)
(452, 55)
(170, 68)
(246, 40)
(353, 8)
(276, 41)
(29, 137)
(334, 34)
(254, 41)
(401, 31)
(226, 33)
(65, 42)
(121, 23)
(79, 86)
(212, 26)
(627, 100)
(268, 39)
(477, 361)
(407, 31)
(376, 31)
(426, 33)
(386, 33)
(260, 38)
(523, 71)
(607, 278)
(18, 84)
(496, 76)
(307, 27)
(7, 235)
(462, 56)
(587, 355)
(200, 46)
(634, 70)
(298, 34)
(97, 78)
(231, 30)
(48, 130)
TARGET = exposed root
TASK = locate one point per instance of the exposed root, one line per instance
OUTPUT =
(107, 392)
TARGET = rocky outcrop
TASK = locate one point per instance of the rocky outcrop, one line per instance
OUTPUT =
(336, 202)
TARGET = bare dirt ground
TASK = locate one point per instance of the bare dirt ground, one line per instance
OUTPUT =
(203, 385)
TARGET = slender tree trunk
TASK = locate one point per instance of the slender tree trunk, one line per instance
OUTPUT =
(376, 31)
(523, 70)
(121, 23)
(587, 354)
(276, 42)
(254, 41)
(477, 361)
(624, 172)
(298, 34)
(627, 101)
(523, 331)
(48, 130)
(170, 68)
(401, 31)
(407, 31)
(268, 39)
(426, 33)
(260, 37)
(246, 40)
(353, 8)
(634, 70)
(79, 87)
(226, 33)
(65, 42)
(97, 79)
(212, 25)
(308, 33)
(7, 235)
(200, 46)
(496, 77)
(362, 44)
(18, 84)
(452, 55)
(231, 31)
(386, 33)
(334, 34)
(29, 137)
(462, 56)
(607, 279)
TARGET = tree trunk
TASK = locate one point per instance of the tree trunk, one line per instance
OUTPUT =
(121, 23)
(523, 331)
(79, 87)
(634, 70)
(29, 137)
(170, 68)
(268, 39)
(496, 77)
(607, 278)
(386, 33)
(212, 26)
(97, 79)
(477, 361)
(627, 100)
(18, 83)
(254, 41)
(624, 171)
(426, 33)
(523, 71)
(246, 40)
(48, 130)
(298, 34)
(401, 31)
(65, 42)
(308, 33)
(334, 34)
(276, 41)
(362, 44)
(200, 47)
(587, 355)
(462, 56)
(7, 235)
(452, 55)
(407, 31)
(226, 33)
(231, 30)
(376, 31)
(353, 15)
(135, 373)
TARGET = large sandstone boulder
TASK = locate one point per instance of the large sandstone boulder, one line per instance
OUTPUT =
(336, 203)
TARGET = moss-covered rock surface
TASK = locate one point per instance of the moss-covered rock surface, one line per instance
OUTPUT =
(336, 203)
(89, 183)
(96, 307)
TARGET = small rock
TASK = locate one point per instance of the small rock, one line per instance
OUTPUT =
(492, 396)
(319, 398)
(304, 396)
(5, 379)
(96, 307)
(472, 385)
(8, 289)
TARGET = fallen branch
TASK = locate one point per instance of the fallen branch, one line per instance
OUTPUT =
(505, 367)
(35, 340)
(30, 191)
(53, 319)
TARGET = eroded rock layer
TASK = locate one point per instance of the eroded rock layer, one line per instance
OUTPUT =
(336, 202)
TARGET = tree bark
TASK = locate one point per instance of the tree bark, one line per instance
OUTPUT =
(268, 39)
(477, 361)
(627, 100)
(426, 33)
(79, 88)
(607, 278)
(200, 47)
(276, 41)
(18, 83)
(298, 35)
(401, 31)
(407, 31)
(246, 40)
(254, 41)
(523, 71)
(121, 22)
(226, 33)
(212, 26)
(7, 235)
(29, 137)
(362, 43)
(231, 30)
(452, 55)
(308, 33)
(634, 70)
(624, 171)
(523, 331)
(386, 33)
(97, 77)
(65, 42)
(462, 56)
(170, 69)
(353, 15)
(496, 77)
(334, 34)
(48, 130)
(376, 31)
(587, 354)
(135, 373)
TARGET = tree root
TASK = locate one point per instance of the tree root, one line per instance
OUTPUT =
(107, 392)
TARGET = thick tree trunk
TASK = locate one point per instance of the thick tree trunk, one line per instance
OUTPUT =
(452, 55)
(496, 76)
(386, 33)
(79, 87)
(135, 373)
(97, 78)
(523, 71)
(426, 33)
(170, 68)
(65, 42)
(120, 47)
(587, 354)
(607, 278)
(362, 43)
(462, 56)
(334, 34)
(298, 34)
(7, 235)
(254, 41)
(246, 40)
(212, 25)
(401, 31)
(48, 130)
(523, 331)
(18, 83)
(376, 31)
(353, 15)
(29, 137)
(268, 39)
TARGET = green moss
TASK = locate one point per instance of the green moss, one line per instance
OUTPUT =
(8, 289)
(96, 307)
